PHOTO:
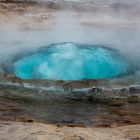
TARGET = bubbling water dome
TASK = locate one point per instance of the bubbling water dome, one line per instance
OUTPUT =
(71, 61)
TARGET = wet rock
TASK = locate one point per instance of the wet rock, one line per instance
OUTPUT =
(80, 84)
(134, 89)
(10, 86)
(99, 98)
(123, 90)
(134, 99)
(92, 90)
(118, 102)
(74, 98)
(97, 90)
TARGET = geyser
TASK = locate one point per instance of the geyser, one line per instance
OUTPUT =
(71, 61)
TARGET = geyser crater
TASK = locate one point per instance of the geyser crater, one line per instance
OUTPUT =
(71, 61)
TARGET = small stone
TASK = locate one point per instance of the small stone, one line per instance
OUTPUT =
(24, 119)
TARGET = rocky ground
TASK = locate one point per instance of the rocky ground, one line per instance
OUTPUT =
(37, 131)
(110, 110)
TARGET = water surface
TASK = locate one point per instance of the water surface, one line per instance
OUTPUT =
(70, 61)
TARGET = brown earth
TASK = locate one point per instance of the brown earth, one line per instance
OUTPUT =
(38, 131)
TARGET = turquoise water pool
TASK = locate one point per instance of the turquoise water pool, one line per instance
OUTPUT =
(70, 61)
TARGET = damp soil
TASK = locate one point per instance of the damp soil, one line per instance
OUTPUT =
(66, 110)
